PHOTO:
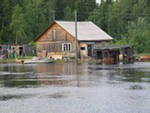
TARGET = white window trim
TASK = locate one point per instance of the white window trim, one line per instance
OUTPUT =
(66, 47)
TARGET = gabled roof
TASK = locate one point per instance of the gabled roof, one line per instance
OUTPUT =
(86, 30)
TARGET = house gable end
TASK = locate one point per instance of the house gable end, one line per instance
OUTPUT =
(55, 33)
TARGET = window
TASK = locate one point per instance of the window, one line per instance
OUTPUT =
(66, 47)
(54, 34)
(82, 48)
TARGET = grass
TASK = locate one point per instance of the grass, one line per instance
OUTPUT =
(12, 60)
(138, 55)
(7, 61)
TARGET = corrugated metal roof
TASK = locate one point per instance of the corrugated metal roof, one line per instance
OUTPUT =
(86, 30)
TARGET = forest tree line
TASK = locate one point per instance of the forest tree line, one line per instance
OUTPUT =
(127, 21)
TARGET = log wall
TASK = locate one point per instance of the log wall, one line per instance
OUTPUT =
(52, 41)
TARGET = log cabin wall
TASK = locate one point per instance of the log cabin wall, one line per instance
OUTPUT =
(57, 42)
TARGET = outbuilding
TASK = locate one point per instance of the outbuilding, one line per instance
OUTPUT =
(114, 54)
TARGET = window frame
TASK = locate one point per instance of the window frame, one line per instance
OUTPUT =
(66, 47)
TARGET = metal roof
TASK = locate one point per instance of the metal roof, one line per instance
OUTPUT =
(87, 31)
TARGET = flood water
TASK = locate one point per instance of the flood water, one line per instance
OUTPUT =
(71, 88)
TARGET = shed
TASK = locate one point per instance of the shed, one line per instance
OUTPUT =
(114, 54)
(19, 50)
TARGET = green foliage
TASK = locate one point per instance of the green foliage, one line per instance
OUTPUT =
(6, 7)
(18, 24)
(139, 33)
(84, 8)
(127, 21)
(121, 41)
(99, 16)
(33, 44)
(69, 15)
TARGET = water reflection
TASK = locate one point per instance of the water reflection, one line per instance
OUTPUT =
(62, 74)
(126, 73)
(9, 97)
(57, 95)
(69, 74)
(85, 88)
(130, 75)
(12, 75)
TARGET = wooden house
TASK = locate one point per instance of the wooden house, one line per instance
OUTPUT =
(58, 40)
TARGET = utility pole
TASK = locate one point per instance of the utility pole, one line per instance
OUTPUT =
(76, 45)
(76, 35)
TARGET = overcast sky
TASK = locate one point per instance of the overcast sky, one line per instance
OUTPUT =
(98, 1)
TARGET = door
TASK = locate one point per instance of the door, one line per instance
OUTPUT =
(90, 49)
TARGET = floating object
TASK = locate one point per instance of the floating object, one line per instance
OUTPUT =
(145, 58)
(19, 61)
(39, 60)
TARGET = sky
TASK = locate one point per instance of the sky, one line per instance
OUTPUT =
(98, 1)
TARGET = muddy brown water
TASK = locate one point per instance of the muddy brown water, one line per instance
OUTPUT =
(75, 88)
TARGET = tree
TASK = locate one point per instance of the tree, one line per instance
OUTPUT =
(6, 7)
(38, 16)
(18, 24)
(100, 14)
(51, 7)
(23, 20)
(84, 8)
(139, 33)
(68, 14)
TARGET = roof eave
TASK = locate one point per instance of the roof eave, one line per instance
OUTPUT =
(96, 40)
(43, 32)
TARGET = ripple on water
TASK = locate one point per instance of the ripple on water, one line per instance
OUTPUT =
(17, 96)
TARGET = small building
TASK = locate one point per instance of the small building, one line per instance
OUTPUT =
(4, 51)
(17, 50)
(59, 39)
(114, 54)
(23, 50)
